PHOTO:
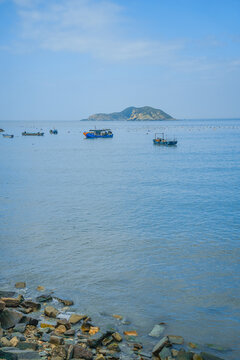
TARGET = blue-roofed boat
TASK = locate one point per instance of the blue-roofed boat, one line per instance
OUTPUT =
(101, 133)
(53, 132)
(160, 140)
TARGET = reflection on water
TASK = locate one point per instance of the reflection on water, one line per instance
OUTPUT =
(122, 226)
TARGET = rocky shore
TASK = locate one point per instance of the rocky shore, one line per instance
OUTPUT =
(46, 328)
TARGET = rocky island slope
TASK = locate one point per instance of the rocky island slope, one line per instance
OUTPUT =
(133, 114)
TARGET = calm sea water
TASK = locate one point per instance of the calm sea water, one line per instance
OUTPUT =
(124, 226)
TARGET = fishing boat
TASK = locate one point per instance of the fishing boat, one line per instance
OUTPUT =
(32, 134)
(160, 140)
(53, 132)
(8, 136)
(102, 133)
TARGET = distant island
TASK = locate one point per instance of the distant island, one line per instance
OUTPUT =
(132, 114)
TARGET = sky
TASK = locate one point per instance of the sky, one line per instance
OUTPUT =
(68, 59)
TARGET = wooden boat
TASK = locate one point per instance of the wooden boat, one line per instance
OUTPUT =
(160, 140)
(102, 133)
(32, 134)
(8, 136)
(53, 132)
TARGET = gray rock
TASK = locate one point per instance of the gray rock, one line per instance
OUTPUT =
(59, 352)
(165, 353)
(65, 323)
(27, 346)
(160, 345)
(20, 336)
(45, 337)
(11, 302)
(31, 304)
(70, 332)
(145, 355)
(4, 293)
(70, 352)
(183, 355)
(44, 298)
(97, 338)
(20, 328)
(4, 342)
(10, 318)
(43, 353)
(174, 339)
(207, 356)
(50, 311)
(82, 353)
(56, 340)
(157, 330)
(17, 354)
(27, 320)
(2, 305)
(64, 302)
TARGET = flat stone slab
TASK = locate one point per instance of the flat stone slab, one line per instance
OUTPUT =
(174, 339)
(6, 293)
(16, 354)
(157, 331)
(207, 356)
(165, 353)
(9, 318)
(160, 345)
(44, 298)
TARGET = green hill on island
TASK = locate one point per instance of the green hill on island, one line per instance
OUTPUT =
(132, 114)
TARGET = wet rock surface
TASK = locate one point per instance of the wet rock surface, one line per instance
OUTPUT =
(51, 331)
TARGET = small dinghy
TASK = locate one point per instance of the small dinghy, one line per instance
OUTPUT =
(8, 136)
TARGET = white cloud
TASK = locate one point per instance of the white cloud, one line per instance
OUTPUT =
(86, 26)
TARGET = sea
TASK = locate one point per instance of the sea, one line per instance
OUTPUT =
(123, 226)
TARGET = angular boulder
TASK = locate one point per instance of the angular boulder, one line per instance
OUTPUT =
(59, 352)
(76, 318)
(11, 302)
(9, 318)
(64, 302)
(31, 304)
(5, 293)
(50, 311)
(11, 353)
(2, 305)
(44, 298)
(174, 339)
(56, 340)
(80, 352)
(160, 345)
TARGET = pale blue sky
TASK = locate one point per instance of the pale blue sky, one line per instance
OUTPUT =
(67, 59)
